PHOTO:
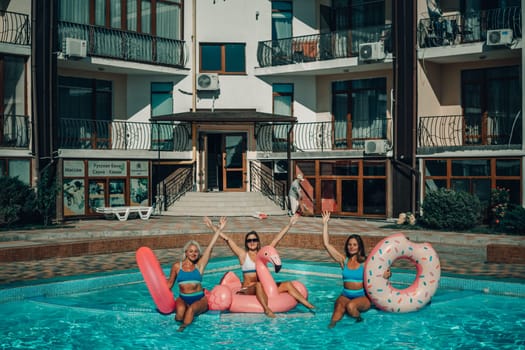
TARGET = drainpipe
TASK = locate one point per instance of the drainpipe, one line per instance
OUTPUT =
(194, 56)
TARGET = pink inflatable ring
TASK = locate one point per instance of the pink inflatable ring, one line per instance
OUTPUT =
(419, 293)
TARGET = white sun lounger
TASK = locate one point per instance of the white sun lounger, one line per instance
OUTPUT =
(122, 213)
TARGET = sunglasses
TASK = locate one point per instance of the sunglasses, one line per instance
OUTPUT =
(252, 240)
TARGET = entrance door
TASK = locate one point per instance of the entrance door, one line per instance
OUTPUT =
(234, 162)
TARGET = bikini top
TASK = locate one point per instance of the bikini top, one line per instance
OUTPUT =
(185, 277)
(248, 265)
(355, 275)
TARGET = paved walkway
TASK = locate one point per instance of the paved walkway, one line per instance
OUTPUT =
(460, 253)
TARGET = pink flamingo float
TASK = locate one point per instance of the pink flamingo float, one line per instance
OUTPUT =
(224, 296)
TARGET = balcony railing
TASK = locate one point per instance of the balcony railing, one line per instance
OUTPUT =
(124, 135)
(14, 131)
(15, 28)
(320, 47)
(472, 130)
(320, 136)
(469, 27)
(127, 46)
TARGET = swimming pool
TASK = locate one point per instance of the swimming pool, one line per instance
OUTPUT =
(116, 311)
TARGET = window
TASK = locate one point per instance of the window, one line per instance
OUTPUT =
(476, 176)
(491, 100)
(359, 111)
(281, 19)
(161, 104)
(20, 168)
(283, 99)
(85, 112)
(223, 58)
(164, 19)
(14, 123)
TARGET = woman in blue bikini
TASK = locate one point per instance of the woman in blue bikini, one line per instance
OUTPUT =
(188, 275)
(353, 299)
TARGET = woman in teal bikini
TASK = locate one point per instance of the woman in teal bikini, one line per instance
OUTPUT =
(353, 299)
(188, 275)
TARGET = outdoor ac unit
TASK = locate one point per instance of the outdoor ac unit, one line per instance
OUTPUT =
(376, 147)
(75, 47)
(208, 82)
(372, 51)
(499, 37)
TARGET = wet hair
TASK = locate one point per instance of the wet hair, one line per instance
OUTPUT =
(195, 243)
(246, 238)
(361, 254)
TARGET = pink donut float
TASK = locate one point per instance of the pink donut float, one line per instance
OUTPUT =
(278, 302)
(415, 296)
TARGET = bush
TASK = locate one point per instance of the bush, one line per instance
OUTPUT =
(450, 210)
(513, 221)
(17, 201)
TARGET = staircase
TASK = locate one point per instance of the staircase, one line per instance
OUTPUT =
(223, 204)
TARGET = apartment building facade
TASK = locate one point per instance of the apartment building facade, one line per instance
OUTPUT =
(374, 102)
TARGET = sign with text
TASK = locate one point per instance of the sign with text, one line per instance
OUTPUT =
(74, 168)
(109, 168)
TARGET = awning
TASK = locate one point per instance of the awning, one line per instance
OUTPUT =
(225, 116)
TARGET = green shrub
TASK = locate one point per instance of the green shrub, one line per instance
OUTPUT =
(450, 210)
(17, 201)
(513, 221)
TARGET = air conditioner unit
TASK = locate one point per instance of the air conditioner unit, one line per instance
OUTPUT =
(376, 147)
(75, 47)
(208, 82)
(499, 37)
(372, 51)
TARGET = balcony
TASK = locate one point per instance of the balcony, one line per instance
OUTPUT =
(485, 131)
(320, 47)
(320, 136)
(15, 28)
(467, 28)
(127, 46)
(14, 131)
(124, 135)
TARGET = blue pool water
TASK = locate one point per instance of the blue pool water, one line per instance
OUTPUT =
(115, 311)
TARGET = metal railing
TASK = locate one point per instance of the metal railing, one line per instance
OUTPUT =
(14, 131)
(124, 135)
(320, 47)
(320, 136)
(262, 180)
(15, 28)
(124, 45)
(467, 27)
(471, 130)
(176, 185)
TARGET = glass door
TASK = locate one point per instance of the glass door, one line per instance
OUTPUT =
(234, 162)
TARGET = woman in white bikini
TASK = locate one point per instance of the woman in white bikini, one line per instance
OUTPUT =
(246, 256)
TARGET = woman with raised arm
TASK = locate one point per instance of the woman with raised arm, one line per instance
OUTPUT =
(247, 257)
(188, 275)
(353, 299)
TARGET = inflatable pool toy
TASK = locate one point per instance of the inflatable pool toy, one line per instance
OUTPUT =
(278, 302)
(158, 285)
(155, 280)
(419, 293)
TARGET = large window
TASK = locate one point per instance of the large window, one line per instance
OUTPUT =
(475, 176)
(359, 111)
(20, 168)
(347, 187)
(491, 100)
(164, 19)
(14, 125)
(223, 58)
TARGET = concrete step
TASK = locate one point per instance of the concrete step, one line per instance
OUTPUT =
(223, 204)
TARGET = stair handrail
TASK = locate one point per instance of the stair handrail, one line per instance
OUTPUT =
(176, 185)
(263, 182)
